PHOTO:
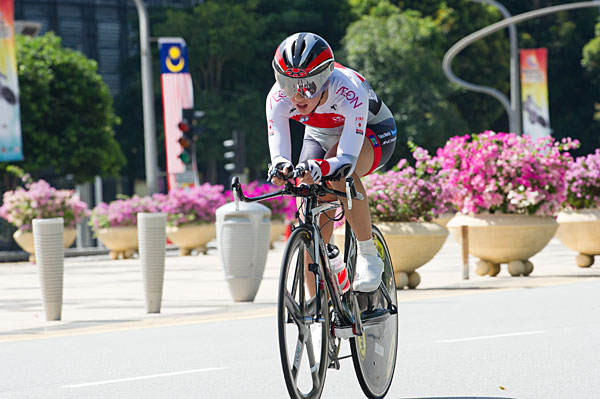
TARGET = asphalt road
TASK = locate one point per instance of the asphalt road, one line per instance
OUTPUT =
(519, 343)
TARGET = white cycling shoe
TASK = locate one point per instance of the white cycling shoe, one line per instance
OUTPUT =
(368, 273)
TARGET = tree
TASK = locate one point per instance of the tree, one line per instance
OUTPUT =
(66, 112)
(400, 55)
(591, 63)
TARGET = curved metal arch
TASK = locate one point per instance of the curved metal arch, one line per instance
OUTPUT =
(512, 112)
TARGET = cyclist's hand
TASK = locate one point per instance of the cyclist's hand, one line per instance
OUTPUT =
(278, 172)
(309, 172)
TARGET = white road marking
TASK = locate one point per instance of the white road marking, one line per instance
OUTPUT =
(491, 336)
(144, 377)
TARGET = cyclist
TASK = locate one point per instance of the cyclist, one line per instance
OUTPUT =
(349, 131)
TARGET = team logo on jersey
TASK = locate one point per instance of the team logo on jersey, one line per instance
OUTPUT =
(334, 107)
(338, 119)
(351, 96)
(374, 140)
(295, 72)
(304, 118)
(359, 131)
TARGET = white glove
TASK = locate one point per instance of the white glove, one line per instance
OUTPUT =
(313, 168)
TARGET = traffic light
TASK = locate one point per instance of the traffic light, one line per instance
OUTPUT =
(235, 153)
(190, 128)
(186, 140)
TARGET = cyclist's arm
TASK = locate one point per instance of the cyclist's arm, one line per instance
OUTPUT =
(353, 134)
(278, 124)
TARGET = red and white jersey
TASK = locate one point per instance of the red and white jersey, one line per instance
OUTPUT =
(351, 105)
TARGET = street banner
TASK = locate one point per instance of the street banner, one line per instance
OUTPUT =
(534, 92)
(177, 94)
(11, 146)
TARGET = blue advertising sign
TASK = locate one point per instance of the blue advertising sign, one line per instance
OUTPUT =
(173, 55)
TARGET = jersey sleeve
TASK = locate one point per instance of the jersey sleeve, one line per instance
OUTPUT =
(280, 144)
(355, 108)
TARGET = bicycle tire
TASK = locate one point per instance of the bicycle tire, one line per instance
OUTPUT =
(289, 310)
(374, 353)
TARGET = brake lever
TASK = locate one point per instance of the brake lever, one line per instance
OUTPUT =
(349, 184)
(351, 192)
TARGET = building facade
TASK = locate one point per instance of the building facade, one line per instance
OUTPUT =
(101, 29)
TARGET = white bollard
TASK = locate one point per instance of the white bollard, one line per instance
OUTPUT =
(152, 237)
(243, 239)
(50, 253)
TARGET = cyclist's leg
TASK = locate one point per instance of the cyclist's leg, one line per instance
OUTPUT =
(377, 148)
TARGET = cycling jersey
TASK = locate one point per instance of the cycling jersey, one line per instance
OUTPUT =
(351, 108)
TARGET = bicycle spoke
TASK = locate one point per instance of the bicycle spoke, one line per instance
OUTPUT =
(311, 360)
(298, 357)
(293, 308)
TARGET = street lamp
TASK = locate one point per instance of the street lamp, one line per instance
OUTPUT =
(147, 100)
(513, 108)
(488, 30)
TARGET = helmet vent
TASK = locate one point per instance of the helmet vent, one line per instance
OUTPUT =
(285, 59)
(303, 47)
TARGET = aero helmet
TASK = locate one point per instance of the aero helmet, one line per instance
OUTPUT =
(303, 63)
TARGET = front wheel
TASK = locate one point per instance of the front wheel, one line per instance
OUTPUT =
(303, 341)
(374, 353)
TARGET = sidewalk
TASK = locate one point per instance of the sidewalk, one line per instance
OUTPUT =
(100, 293)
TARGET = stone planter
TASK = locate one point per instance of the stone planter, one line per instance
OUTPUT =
(121, 241)
(443, 219)
(192, 236)
(277, 230)
(25, 241)
(411, 245)
(504, 238)
(580, 231)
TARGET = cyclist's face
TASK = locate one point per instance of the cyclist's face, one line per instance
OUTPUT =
(304, 105)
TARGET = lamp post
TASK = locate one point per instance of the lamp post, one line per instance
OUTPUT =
(147, 100)
(513, 108)
(488, 30)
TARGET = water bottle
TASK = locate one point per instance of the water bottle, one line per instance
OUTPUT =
(336, 265)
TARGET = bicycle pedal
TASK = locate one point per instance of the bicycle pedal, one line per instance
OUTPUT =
(344, 332)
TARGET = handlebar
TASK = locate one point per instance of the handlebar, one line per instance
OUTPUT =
(303, 190)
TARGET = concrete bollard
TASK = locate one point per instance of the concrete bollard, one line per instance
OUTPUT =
(152, 239)
(243, 239)
(50, 253)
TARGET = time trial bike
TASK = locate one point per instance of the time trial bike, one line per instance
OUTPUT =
(311, 329)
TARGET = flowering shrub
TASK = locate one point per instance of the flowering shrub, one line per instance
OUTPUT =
(121, 212)
(504, 172)
(407, 194)
(191, 204)
(39, 200)
(281, 207)
(583, 179)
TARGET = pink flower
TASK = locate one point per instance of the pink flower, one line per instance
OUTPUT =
(40, 200)
(504, 172)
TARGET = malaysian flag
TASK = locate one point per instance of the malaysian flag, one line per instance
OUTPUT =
(177, 94)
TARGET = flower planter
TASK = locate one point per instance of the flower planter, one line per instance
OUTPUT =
(411, 245)
(443, 219)
(504, 238)
(25, 241)
(122, 241)
(580, 231)
(191, 236)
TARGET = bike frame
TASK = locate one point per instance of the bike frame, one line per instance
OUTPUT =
(312, 212)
